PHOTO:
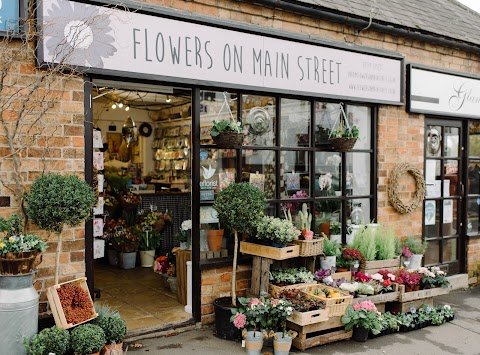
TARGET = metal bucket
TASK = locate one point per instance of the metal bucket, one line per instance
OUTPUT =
(18, 312)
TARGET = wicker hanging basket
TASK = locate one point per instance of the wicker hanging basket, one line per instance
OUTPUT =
(342, 144)
(18, 263)
(228, 140)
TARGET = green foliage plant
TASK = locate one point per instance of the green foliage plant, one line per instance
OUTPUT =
(226, 125)
(278, 230)
(362, 315)
(330, 247)
(364, 241)
(415, 244)
(87, 339)
(11, 226)
(239, 207)
(104, 311)
(385, 241)
(114, 328)
(50, 340)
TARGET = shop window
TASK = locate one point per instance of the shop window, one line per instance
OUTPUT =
(258, 168)
(295, 123)
(259, 120)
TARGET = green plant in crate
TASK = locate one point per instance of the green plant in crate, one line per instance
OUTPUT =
(277, 230)
(385, 241)
(50, 340)
(330, 247)
(415, 244)
(87, 339)
(114, 328)
(364, 241)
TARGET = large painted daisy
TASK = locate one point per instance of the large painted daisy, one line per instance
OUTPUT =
(77, 34)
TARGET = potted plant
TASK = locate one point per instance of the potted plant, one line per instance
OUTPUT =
(335, 231)
(227, 133)
(349, 258)
(172, 273)
(50, 340)
(149, 237)
(126, 242)
(344, 137)
(330, 251)
(278, 231)
(87, 339)
(115, 330)
(280, 310)
(215, 238)
(418, 248)
(362, 318)
(184, 235)
(239, 206)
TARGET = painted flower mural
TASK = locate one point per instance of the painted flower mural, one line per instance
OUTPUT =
(78, 33)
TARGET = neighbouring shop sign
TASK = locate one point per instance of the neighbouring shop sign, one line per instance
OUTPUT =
(9, 14)
(437, 92)
(103, 38)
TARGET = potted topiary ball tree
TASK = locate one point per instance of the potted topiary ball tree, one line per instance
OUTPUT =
(239, 207)
(55, 200)
(87, 339)
(115, 331)
(52, 340)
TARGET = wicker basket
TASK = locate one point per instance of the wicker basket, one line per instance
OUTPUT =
(336, 306)
(228, 140)
(310, 247)
(18, 263)
(342, 144)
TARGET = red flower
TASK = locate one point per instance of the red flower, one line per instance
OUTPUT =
(387, 283)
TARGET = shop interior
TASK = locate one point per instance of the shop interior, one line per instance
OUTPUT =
(142, 160)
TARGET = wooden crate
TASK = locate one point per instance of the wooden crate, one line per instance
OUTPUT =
(273, 289)
(319, 333)
(265, 251)
(56, 306)
(213, 254)
(311, 317)
(347, 275)
(422, 294)
(383, 297)
(402, 307)
(371, 267)
(336, 306)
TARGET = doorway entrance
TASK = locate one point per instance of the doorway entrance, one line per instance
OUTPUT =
(443, 228)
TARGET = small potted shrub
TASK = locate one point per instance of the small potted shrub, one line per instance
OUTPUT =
(50, 340)
(362, 318)
(330, 251)
(278, 231)
(115, 330)
(417, 247)
(87, 339)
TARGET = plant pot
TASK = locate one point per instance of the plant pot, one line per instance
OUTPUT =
(127, 260)
(253, 342)
(223, 327)
(112, 257)
(336, 238)
(342, 144)
(360, 334)
(172, 282)
(228, 139)
(147, 257)
(408, 289)
(415, 261)
(342, 269)
(416, 288)
(214, 239)
(110, 347)
(17, 263)
(308, 235)
(327, 262)
(282, 343)
(325, 228)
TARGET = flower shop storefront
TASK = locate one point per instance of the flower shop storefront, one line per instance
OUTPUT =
(292, 95)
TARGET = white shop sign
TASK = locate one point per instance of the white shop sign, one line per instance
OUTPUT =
(112, 39)
(440, 93)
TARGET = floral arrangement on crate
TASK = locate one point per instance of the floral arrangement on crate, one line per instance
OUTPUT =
(349, 257)
(277, 230)
(300, 301)
(76, 303)
(291, 276)
(362, 315)
(409, 278)
(433, 277)
(185, 231)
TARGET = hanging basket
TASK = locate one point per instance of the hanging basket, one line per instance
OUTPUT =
(18, 263)
(342, 144)
(228, 140)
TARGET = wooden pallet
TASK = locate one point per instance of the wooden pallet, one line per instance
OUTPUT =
(319, 333)
(383, 297)
(422, 294)
(265, 251)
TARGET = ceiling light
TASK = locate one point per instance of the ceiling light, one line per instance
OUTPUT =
(120, 104)
(114, 105)
(127, 108)
(168, 99)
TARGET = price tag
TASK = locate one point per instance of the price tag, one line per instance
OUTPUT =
(147, 229)
(243, 343)
(119, 229)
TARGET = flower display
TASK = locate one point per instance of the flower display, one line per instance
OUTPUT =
(185, 230)
(408, 278)
(433, 277)
(362, 315)
(278, 230)
(21, 243)
(254, 311)
(406, 253)
(165, 264)
(300, 301)
(290, 276)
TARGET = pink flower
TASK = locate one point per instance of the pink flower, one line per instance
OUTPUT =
(255, 302)
(239, 320)
(368, 306)
(275, 302)
(356, 306)
(406, 252)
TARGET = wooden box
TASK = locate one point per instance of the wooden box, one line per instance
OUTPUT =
(311, 317)
(336, 306)
(347, 275)
(371, 267)
(422, 294)
(382, 297)
(264, 251)
(274, 290)
(56, 306)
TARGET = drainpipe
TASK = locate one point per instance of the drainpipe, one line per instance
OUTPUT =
(314, 12)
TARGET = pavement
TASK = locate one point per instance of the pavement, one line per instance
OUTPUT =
(460, 336)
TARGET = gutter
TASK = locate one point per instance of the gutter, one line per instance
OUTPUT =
(315, 12)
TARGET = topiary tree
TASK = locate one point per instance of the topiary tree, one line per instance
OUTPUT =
(114, 328)
(55, 200)
(87, 339)
(50, 340)
(239, 207)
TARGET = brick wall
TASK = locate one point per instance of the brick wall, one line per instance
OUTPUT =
(217, 283)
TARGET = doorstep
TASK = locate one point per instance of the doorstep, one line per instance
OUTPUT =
(163, 331)
(459, 281)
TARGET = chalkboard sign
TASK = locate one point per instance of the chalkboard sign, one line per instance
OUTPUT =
(147, 229)
(119, 229)
(207, 195)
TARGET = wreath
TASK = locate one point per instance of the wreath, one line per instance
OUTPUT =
(145, 129)
(393, 198)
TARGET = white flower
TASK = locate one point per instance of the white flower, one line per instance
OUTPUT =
(391, 276)
(447, 307)
(349, 287)
(440, 272)
(186, 225)
(325, 181)
(377, 277)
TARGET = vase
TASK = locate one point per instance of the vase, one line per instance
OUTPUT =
(360, 334)
(327, 262)
(253, 342)
(112, 257)
(147, 257)
(214, 239)
(127, 261)
(172, 282)
(223, 327)
(336, 238)
(18, 312)
(282, 343)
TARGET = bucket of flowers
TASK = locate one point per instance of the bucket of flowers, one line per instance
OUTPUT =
(363, 318)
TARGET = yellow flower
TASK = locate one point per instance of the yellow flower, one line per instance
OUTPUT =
(11, 239)
(2, 245)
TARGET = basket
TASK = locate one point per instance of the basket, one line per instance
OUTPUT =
(228, 139)
(129, 206)
(336, 306)
(18, 263)
(310, 247)
(342, 144)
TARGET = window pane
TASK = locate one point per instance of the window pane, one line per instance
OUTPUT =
(358, 174)
(217, 171)
(215, 106)
(432, 218)
(451, 178)
(452, 142)
(432, 254)
(294, 174)
(358, 211)
(258, 117)
(473, 213)
(360, 116)
(295, 123)
(450, 212)
(450, 250)
(326, 114)
(328, 174)
(474, 140)
(473, 177)
(259, 168)
(434, 141)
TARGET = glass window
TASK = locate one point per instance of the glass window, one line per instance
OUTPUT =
(326, 116)
(215, 105)
(295, 123)
(360, 116)
(358, 177)
(295, 174)
(258, 117)
(258, 168)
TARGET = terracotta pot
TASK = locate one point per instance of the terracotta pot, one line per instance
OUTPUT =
(325, 228)
(214, 239)
(408, 289)
(416, 288)
(110, 346)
